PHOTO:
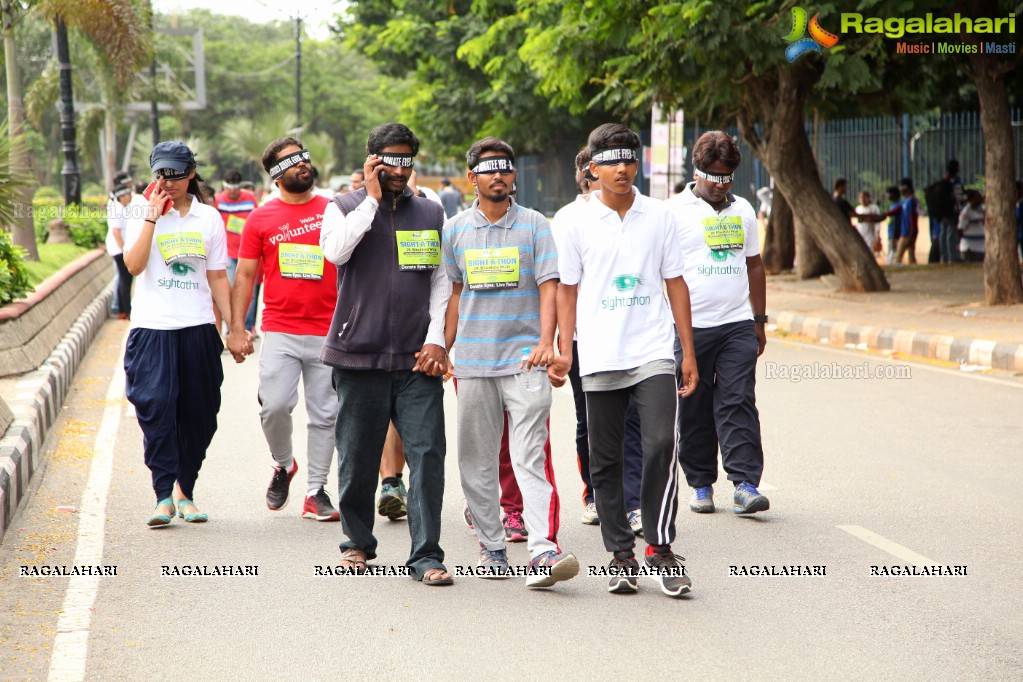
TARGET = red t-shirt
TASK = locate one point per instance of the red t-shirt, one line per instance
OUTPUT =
(300, 286)
(234, 212)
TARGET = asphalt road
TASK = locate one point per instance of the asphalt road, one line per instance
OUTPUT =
(861, 473)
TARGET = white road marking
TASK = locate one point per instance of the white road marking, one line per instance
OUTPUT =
(893, 548)
(71, 643)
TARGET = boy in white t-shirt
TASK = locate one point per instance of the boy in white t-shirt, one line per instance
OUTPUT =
(615, 253)
(870, 230)
(120, 196)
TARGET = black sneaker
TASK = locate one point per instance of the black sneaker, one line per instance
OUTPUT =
(623, 569)
(277, 492)
(318, 507)
(668, 570)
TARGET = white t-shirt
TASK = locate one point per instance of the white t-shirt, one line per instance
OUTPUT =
(115, 221)
(178, 295)
(717, 277)
(622, 318)
(868, 230)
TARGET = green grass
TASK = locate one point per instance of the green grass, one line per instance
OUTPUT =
(52, 257)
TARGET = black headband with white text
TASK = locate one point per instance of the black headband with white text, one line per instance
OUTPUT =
(283, 164)
(494, 164)
(120, 192)
(713, 177)
(397, 160)
(612, 156)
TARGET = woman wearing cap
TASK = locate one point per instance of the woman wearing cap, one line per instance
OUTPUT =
(176, 251)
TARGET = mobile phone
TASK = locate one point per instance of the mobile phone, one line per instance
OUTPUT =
(149, 191)
(381, 175)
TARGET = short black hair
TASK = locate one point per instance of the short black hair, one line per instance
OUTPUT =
(612, 135)
(907, 183)
(274, 148)
(233, 177)
(391, 134)
(893, 193)
(679, 187)
(952, 167)
(487, 144)
(582, 159)
(840, 183)
(714, 146)
(122, 178)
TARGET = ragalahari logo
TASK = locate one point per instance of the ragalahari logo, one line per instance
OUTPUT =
(818, 36)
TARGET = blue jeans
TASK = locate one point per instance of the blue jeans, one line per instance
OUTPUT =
(367, 400)
(250, 317)
(949, 241)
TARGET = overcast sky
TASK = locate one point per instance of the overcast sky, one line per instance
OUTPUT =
(315, 13)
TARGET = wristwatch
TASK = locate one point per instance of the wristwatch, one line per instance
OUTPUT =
(760, 319)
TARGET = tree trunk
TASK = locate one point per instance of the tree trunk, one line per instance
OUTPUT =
(1002, 285)
(779, 250)
(110, 146)
(810, 260)
(22, 231)
(785, 150)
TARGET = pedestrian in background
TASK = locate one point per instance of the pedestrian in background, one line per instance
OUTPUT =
(117, 218)
(178, 255)
(971, 227)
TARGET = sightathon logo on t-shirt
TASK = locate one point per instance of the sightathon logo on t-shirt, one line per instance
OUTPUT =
(180, 271)
(719, 264)
(624, 283)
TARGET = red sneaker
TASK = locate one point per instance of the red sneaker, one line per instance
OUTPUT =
(318, 507)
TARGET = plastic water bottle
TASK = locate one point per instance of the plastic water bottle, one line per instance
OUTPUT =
(532, 377)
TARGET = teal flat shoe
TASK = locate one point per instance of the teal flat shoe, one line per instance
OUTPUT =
(196, 517)
(157, 520)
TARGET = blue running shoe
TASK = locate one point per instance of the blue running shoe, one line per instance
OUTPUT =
(748, 499)
(702, 501)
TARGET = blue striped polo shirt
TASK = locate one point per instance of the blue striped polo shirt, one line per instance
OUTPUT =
(495, 325)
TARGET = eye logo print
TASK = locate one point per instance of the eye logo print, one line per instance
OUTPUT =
(627, 282)
(818, 36)
(179, 269)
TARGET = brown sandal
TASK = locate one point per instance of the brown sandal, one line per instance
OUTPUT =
(353, 559)
(430, 577)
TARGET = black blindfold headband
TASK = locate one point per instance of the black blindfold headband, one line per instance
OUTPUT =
(282, 165)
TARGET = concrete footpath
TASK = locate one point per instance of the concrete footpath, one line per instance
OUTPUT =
(933, 312)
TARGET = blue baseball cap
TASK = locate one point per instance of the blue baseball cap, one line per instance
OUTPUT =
(174, 156)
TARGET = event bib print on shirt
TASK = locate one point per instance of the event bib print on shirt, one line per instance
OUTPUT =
(418, 249)
(492, 268)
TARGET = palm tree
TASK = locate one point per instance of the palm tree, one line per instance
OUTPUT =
(117, 28)
(248, 137)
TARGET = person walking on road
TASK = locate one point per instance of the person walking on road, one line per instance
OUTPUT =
(450, 198)
(299, 295)
(503, 265)
(614, 254)
(117, 217)
(728, 290)
(235, 204)
(633, 454)
(386, 347)
(172, 359)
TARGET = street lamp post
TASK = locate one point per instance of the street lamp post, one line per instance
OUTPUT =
(72, 179)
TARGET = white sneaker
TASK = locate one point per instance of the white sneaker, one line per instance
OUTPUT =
(589, 516)
(636, 521)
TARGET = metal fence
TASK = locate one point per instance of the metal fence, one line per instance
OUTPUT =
(875, 153)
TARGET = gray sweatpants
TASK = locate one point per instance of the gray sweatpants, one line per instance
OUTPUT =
(481, 406)
(283, 359)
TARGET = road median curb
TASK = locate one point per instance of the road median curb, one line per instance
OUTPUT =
(957, 349)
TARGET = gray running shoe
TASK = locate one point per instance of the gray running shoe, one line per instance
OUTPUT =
(623, 569)
(668, 571)
(748, 500)
(551, 567)
(589, 516)
(493, 563)
(702, 501)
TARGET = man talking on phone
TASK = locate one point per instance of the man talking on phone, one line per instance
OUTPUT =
(386, 347)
